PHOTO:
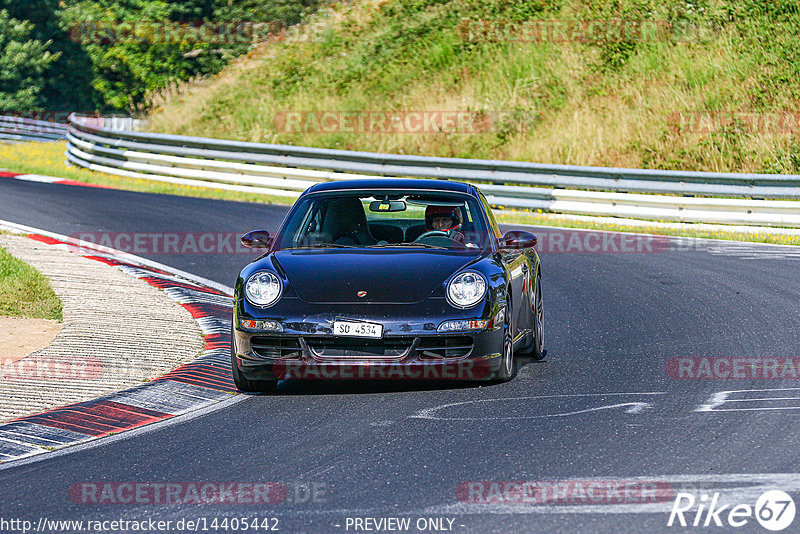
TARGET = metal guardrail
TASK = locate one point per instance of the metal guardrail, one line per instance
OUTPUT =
(96, 143)
(20, 129)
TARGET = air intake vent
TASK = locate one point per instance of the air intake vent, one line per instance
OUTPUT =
(378, 349)
(444, 347)
(276, 347)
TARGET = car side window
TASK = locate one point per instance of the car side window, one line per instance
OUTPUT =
(490, 216)
(308, 229)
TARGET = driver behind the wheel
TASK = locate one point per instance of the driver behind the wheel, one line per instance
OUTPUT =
(444, 219)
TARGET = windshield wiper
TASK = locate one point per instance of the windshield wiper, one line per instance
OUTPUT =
(423, 245)
(323, 245)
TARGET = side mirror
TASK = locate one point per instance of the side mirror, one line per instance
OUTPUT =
(517, 239)
(257, 239)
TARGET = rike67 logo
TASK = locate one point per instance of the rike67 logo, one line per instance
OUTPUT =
(774, 510)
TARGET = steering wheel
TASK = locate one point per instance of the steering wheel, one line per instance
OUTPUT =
(433, 233)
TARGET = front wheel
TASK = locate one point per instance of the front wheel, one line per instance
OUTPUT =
(245, 384)
(506, 370)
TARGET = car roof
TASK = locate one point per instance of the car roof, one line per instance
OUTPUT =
(392, 183)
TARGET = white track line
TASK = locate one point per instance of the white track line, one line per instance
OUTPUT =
(21, 228)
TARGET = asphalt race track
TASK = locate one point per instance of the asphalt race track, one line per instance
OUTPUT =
(600, 407)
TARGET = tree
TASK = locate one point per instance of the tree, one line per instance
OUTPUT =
(23, 66)
(103, 59)
(68, 80)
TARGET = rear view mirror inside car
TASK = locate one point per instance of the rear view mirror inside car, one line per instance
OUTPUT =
(387, 205)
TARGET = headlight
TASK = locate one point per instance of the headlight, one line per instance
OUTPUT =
(466, 289)
(263, 289)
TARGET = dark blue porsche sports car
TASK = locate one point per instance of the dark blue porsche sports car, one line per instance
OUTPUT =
(387, 278)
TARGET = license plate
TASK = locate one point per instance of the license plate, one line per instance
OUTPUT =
(357, 329)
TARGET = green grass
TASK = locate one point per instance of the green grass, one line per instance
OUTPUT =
(599, 102)
(546, 219)
(24, 292)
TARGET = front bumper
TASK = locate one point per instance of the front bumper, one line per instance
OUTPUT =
(411, 348)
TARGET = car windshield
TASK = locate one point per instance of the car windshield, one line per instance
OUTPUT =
(391, 219)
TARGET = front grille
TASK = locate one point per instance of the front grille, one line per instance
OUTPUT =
(378, 349)
(276, 347)
(444, 347)
(431, 348)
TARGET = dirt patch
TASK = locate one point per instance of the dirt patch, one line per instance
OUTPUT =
(21, 337)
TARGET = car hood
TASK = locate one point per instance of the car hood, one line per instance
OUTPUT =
(386, 275)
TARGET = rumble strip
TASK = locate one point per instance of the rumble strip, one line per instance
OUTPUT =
(195, 385)
(48, 179)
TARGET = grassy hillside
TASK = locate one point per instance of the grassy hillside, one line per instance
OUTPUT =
(557, 97)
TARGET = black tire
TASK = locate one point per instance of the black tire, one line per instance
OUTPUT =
(505, 372)
(536, 349)
(245, 384)
(538, 322)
